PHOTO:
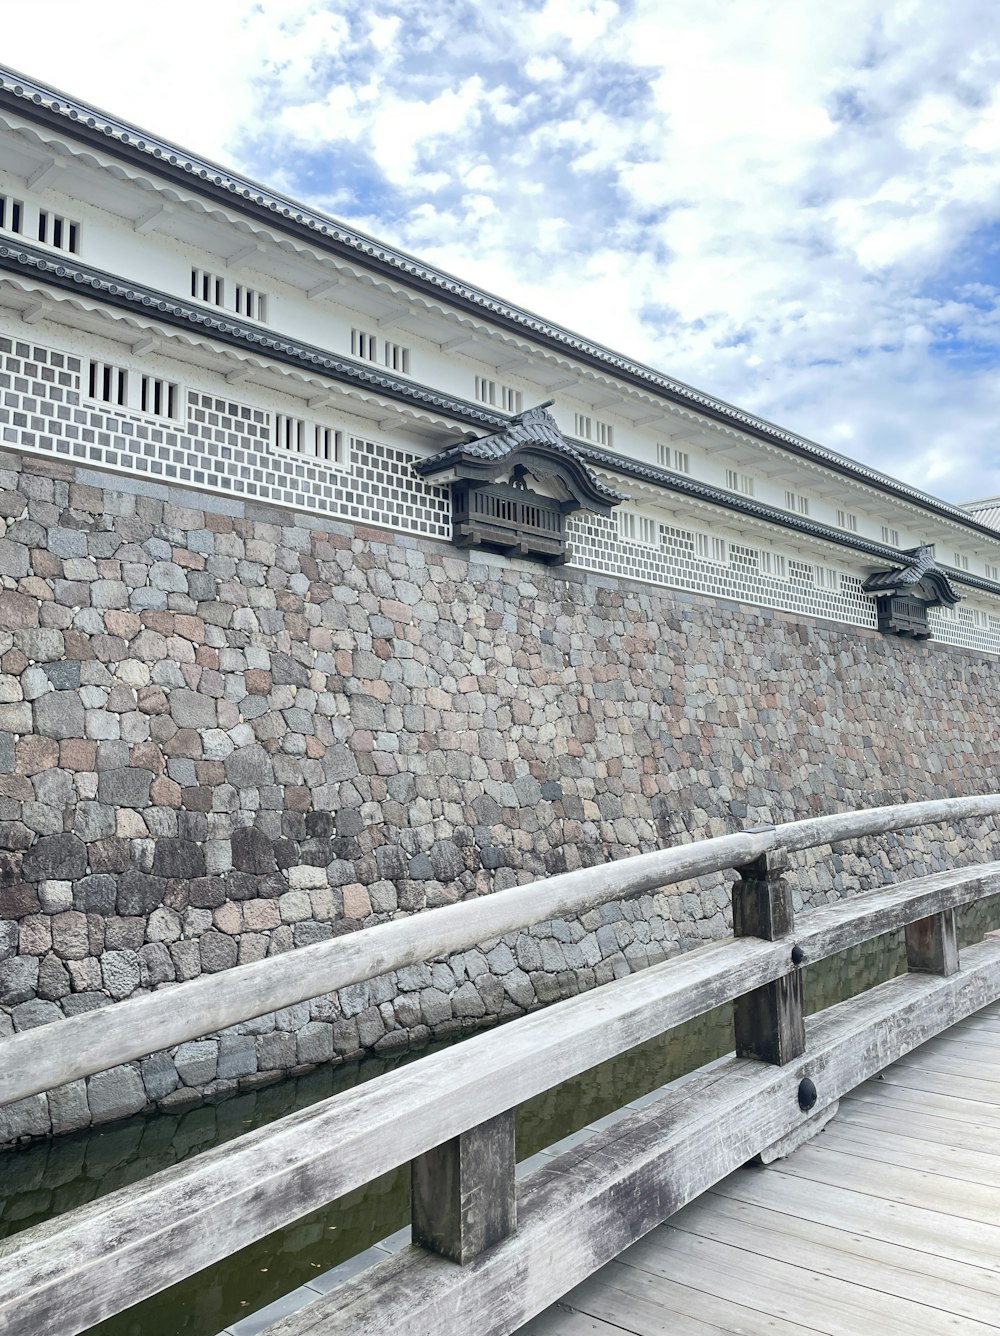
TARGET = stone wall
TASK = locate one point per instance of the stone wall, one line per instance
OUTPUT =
(227, 731)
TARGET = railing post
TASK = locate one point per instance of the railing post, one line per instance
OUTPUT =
(769, 1021)
(932, 944)
(462, 1192)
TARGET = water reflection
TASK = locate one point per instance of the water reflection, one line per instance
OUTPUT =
(48, 1178)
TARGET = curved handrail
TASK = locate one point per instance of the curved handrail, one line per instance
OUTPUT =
(40, 1059)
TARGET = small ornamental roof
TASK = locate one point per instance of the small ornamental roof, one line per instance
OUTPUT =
(534, 443)
(922, 569)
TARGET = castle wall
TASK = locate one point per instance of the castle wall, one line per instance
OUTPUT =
(228, 730)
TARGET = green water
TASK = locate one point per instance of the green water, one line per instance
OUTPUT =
(45, 1179)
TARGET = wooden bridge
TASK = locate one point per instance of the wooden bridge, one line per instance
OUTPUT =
(795, 1248)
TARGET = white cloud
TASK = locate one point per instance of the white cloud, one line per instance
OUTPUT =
(793, 206)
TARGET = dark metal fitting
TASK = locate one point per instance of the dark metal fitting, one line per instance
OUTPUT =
(798, 955)
(807, 1094)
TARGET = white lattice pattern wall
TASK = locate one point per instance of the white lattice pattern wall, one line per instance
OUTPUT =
(226, 446)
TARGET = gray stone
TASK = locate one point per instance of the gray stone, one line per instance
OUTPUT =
(116, 1093)
(467, 1002)
(159, 1075)
(435, 1006)
(55, 858)
(68, 1107)
(18, 978)
(128, 787)
(95, 894)
(314, 1042)
(249, 768)
(59, 714)
(218, 952)
(178, 858)
(252, 851)
(120, 973)
(196, 1062)
(30, 1015)
(237, 1056)
(25, 1118)
(189, 709)
(275, 1051)
(8, 938)
(64, 676)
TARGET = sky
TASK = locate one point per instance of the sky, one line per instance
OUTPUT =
(792, 206)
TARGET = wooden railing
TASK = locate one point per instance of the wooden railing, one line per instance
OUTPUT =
(451, 1113)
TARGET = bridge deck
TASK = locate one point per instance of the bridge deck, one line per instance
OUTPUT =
(889, 1221)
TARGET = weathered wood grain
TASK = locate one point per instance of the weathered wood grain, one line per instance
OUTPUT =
(583, 1209)
(144, 1238)
(932, 944)
(831, 829)
(462, 1192)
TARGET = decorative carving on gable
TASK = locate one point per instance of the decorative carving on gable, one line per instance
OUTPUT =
(512, 490)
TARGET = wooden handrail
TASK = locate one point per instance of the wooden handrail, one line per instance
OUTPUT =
(41, 1059)
(143, 1238)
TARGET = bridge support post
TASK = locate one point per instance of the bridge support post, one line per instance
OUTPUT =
(463, 1196)
(932, 944)
(769, 1021)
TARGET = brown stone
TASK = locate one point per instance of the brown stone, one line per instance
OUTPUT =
(78, 754)
(35, 936)
(356, 901)
(185, 742)
(164, 792)
(35, 754)
(258, 681)
(124, 624)
(18, 901)
(153, 700)
(14, 662)
(17, 611)
(189, 628)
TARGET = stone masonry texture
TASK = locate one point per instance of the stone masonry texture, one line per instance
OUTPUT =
(228, 731)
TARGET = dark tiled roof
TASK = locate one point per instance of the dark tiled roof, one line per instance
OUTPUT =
(922, 567)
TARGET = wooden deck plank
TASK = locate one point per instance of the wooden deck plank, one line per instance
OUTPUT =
(937, 1237)
(562, 1320)
(890, 1100)
(792, 1292)
(832, 1252)
(971, 1166)
(908, 1124)
(656, 1304)
(888, 1222)
(910, 1186)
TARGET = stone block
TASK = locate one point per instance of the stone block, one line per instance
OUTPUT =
(127, 787)
(25, 1118)
(314, 1042)
(275, 1051)
(159, 1075)
(120, 973)
(196, 1062)
(218, 952)
(116, 1093)
(237, 1056)
(55, 858)
(68, 1107)
(59, 714)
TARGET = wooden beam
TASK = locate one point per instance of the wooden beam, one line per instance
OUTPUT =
(149, 220)
(462, 1192)
(932, 944)
(43, 175)
(584, 1208)
(769, 1022)
(321, 289)
(167, 1226)
(796, 835)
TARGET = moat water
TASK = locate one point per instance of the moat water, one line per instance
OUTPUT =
(45, 1179)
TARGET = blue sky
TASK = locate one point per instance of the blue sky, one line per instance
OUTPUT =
(795, 207)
